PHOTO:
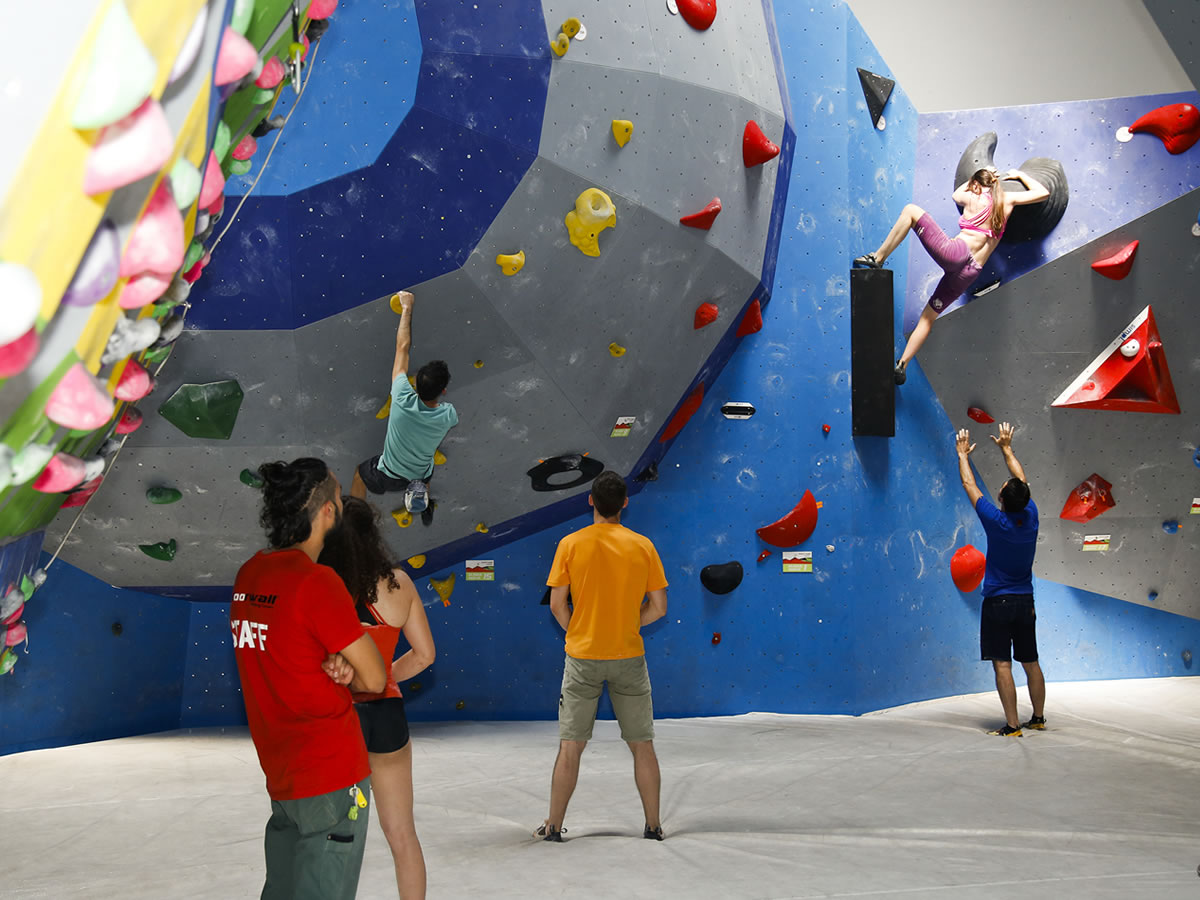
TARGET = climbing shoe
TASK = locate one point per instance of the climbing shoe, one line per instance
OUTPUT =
(416, 497)
(548, 832)
(898, 372)
(867, 261)
(427, 514)
(653, 834)
(1007, 731)
(1036, 722)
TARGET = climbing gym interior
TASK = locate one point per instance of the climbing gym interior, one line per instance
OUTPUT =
(629, 227)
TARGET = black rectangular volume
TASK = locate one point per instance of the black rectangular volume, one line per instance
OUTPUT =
(872, 388)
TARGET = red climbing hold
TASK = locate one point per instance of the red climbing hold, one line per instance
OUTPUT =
(979, 415)
(966, 568)
(1130, 374)
(245, 147)
(795, 528)
(83, 493)
(1089, 499)
(1177, 125)
(752, 320)
(135, 382)
(705, 218)
(214, 182)
(1118, 265)
(716, 638)
(698, 13)
(686, 410)
(193, 273)
(756, 148)
(764, 555)
(272, 73)
(706, 314)
(825, 428)
(130, 421)
(18, 354)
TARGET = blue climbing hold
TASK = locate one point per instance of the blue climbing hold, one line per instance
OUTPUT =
(1170, 526)
(1196, 457)
(1152, 596)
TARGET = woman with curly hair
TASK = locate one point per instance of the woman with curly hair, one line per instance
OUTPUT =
(388, 604)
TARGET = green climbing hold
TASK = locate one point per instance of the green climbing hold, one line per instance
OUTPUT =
(163, 550)
(240, 20)
(251, 479)
(204, 410)
(239, 166)
(8, 659)
(164, 495)
(157, 355)
(185, 183)
(27, 586)
(195, 250)
(30, 460)
(221, 141)
(263, 96)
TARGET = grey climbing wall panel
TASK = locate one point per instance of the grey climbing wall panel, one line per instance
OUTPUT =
(1014, 351)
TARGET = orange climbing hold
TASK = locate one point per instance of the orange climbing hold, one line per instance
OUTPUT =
(1119, 264)
(752, 320)
(756, 147)
(795, 528)
(685, 412)
(706, 314)
(705, 218)
(1089, 499)
(1177, 126)
(967, 568)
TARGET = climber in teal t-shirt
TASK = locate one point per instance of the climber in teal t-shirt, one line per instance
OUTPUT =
(418, 421)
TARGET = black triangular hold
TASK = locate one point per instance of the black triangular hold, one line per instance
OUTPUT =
(877, 90)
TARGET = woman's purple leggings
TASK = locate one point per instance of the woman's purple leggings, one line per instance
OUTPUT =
(953, 255)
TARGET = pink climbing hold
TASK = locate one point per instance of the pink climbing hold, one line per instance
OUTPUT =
(215, 208)
(752, 320)
(62, 473)
(156, 244)
(697, 13)
(706, 314)
(135, 382)
(272, 73)
(321, 9)
(15, 634)
(1177, 126)
(756, 147)
(16, 355)
(245, 147)
(235, 59)
(143, 289)
(136, 146)
(130, 421)
(1119, 264)
(705, 218)
(193, 273)
(79, 401)
(214, 182)
(83, 493)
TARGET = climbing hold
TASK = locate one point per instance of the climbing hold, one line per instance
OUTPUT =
(195, 251)
(697, 13)
(221, 143)
(967, 568)
(593, 212)
(30, 460)
(143, 289)
(214, 181)
(384, 410)
(321, 9)
(175, 294)
(250, 479)
(716, 638)
(12, 604)
(172, 328)
(156, 244)
(266, 126)
(756, 147)
(511, 263)
(239, 19)
(704, 218)
(1118, 265)
(560, 45)
(706, 314)
(136, 146)
(616, 350)
(163, 550)
(272, 73)
(1035, 220)
(16, 355)
(245, 148)
(1170, 526)
(974, 412)
(723, 578)
(155, 355)
(825, 428)
(877, 90)
(686, 410)
(129, 336)
(8, 659)
(239, 166)
(416, 561)
(98, 270)
(622, 130)
(79, 401)
(444, 587)
(402, 516)
(191, 46)
(571, 27)
(1089, 499)
(161, 496)
(130, 421)
(1176, 125)
(1115, 381)
(1196, 457)
(204, 410)
(584, 466)
(22, 296)
(16, 633)
(135, 382)
(1152, 596)
(185, 185)
(461, 704)
(795, 528)
(738, 409)
(62, 472)
(752, 320)
(235, 59)
(481, 528)
(650, 473)
(120, 74)
(439, 458)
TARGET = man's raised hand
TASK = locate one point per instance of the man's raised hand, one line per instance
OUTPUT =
(963, 443)
(1006, 434)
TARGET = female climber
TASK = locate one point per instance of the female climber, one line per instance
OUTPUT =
(388, 604)
(986, 208)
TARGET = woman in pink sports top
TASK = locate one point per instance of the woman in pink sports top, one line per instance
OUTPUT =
(986, 208)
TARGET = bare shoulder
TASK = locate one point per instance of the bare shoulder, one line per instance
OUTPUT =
(394, 603)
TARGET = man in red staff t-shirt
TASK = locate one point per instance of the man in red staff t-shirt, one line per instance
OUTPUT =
(289, 617)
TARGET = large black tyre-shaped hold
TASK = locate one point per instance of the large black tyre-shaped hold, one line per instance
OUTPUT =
(1027, 223)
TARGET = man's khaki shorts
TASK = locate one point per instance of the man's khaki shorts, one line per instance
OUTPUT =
(628, 689)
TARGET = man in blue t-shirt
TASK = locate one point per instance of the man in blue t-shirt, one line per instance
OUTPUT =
(417, 423)
(1006, 625)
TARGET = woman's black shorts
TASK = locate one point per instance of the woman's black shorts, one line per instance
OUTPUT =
(384, 724)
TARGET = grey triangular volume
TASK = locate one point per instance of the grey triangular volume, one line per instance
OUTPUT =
(877, 90)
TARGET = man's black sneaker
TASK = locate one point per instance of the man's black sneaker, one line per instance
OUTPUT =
(1007, 731)
(653, 834)
(548, 832)
(1036, 722)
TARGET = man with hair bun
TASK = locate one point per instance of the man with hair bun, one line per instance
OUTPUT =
(290, 618)
(1007, 619)
(606, 583)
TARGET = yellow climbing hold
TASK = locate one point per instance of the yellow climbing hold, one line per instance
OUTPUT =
(481, 528)
(511, 263)
(571, 27)
(403, 517)
(479, 363)
(616, 349)
(412, 379)
(622, 131)
(560, 44)
(439, 458)
(444, 587)
(384, 410)
(417, 561)
(395, 304)
(593, 212)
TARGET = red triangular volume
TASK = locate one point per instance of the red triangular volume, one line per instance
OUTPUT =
(686, 410)
(1119, 264)
(1130, 375)
(1089, 499)
(705, 218)
(706, 314)
(752, 320)
(756, 148)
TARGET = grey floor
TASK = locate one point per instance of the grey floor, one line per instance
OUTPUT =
(909, 802)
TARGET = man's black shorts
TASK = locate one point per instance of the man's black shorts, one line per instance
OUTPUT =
(379, 482)
(384, 724)
(1006, 628)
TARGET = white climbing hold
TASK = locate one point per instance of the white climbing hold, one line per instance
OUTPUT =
(22, 297)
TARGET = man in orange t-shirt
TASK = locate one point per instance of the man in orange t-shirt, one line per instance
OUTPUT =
(600, 579)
